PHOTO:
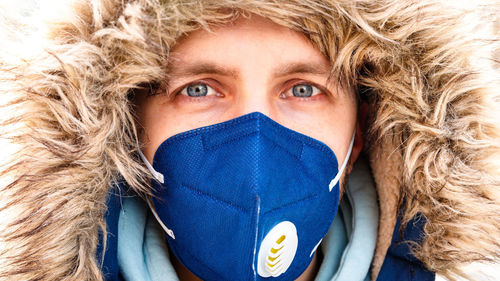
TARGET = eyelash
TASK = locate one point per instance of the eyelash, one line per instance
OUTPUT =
(319, 90)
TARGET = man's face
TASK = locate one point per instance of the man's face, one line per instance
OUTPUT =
(251, 65)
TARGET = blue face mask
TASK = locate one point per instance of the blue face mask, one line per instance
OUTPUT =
(246, 199)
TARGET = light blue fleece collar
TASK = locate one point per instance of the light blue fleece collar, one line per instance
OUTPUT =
(348, 247)
(348, 255)
(142, 248)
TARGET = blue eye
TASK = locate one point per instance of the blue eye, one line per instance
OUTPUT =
(305, 90)
(302, 90)
(198, 90)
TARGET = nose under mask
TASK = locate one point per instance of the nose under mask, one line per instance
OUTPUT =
(246, 199)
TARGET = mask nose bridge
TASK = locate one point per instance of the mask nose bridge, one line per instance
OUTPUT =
(246, 128)
(262, 130)
(228, 132)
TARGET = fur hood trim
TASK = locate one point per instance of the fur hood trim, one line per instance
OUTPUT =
(67, 127)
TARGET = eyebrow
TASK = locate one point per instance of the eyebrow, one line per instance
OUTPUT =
(207, 67)
(301, 67)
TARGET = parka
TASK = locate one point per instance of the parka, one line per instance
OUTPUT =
(427, 69)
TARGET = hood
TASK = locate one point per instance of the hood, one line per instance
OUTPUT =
(425, 68)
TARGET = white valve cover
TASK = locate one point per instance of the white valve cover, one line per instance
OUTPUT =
(277, 250)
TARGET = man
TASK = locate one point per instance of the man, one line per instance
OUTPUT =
(215, 77)
(242, 120)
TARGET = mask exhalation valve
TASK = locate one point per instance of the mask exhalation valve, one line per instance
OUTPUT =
(277, 250)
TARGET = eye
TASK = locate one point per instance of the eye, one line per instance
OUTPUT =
(302, 90)
(198, 90)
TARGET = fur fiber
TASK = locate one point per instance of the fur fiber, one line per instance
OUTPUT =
(67, 131)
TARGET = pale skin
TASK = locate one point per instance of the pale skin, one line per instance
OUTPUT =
(251, 65)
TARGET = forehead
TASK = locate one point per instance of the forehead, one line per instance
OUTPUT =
(253, 37)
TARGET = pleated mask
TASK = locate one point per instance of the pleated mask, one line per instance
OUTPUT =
(246, 199)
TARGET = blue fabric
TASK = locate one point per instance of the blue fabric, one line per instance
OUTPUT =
(354, 249)
(155, 254)
(399, 263)
(152, 257)
(109, 265)
(227, 185)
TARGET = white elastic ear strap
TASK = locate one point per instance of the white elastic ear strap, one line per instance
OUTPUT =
(165, 228)
(341, 171)
(158, 176)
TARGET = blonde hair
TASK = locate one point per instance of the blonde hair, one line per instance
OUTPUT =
(67, 119)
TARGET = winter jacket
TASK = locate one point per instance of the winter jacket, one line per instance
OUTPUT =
(428, 70)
